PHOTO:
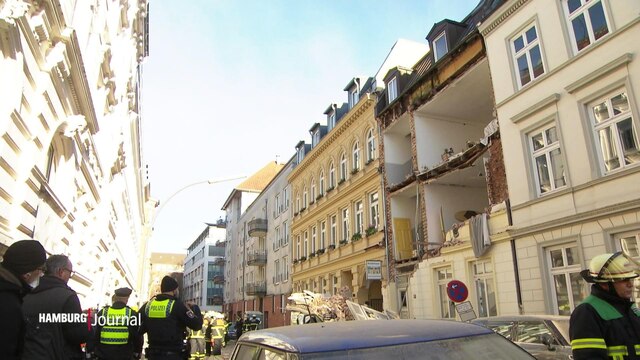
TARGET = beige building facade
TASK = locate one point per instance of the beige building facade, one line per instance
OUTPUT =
(71, 167)
(565, 77)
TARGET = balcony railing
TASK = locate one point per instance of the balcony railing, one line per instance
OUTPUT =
(257, 227)
(257, 258)
(256, 288)
(219, 279)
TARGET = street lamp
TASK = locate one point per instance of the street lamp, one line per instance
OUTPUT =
(162, 205)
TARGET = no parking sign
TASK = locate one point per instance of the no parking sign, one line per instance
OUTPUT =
(457, 291)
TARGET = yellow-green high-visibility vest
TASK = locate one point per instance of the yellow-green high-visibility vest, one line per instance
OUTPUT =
(159, 309)
(115, 331)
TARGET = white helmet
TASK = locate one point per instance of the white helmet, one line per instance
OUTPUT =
(610, 268)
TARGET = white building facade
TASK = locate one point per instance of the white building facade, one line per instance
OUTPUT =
(203, 280)
(566, 76)
(71, 169)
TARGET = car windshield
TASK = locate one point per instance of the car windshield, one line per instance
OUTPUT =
(563, 328)
(484, 347)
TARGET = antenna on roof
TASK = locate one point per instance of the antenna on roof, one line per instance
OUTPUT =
(277, 157)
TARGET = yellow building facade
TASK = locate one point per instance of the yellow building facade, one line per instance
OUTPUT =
(337, 231)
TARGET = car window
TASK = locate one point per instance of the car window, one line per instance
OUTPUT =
(245, 352)
(482, 347)
(268, 354)
(532, 332)
(502, 328)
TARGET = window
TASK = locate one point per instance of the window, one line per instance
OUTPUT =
(440, 46)
(332, 176)
(485, 292)
(630, 244)
(305, 246)
(314, 238)
(343, 167)
(321, 189)
(313, 190)
(278, 205)
(285, 195)
(300, 155)
(615, 131)
(332, 121)
(355, 157)
(285, 231)
(447, 307)
(323, 235)
(304, 198)
(374, 217)
(345, 224)
(527, 56)
(354, 97)
(588, 22)
(298, 207)
(298, 247)
(359, 210)
(285, 266)
(568, 288)
(276, 279)
(335, 285)
(547, 159)
(392, 89)
(371, 146)
(278, 241)
(333, 234)
(315, 139)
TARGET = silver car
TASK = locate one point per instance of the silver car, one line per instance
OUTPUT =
(544, 336)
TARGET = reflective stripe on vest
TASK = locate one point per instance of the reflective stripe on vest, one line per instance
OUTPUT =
(591, 343)
(196, 334)
(159, 309)
(116, 331)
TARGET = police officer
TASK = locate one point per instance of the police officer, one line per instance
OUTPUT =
(165, 319)
(117, 327)
(607, 324)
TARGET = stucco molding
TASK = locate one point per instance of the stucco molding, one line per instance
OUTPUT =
(598, 73)
(549, 100)
(502, 17)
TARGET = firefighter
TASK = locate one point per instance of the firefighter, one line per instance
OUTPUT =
(197, 342)
(607, 324)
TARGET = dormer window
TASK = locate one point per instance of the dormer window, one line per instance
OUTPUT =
(354, 97)
(300, 154)
(440, 46)
(392, 89)
(315, 138)
(332, 121)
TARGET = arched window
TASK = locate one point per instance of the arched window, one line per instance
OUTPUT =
(371, 146)
(343, 167)
(332, 176)
(313, 189)
(321, 189)
(355, 156)
(305, 198)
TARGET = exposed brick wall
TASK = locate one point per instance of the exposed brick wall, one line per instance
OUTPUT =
(496, 175)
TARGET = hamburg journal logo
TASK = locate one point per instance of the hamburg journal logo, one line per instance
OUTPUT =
(91, 319)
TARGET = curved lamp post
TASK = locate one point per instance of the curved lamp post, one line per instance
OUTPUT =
(186, 187)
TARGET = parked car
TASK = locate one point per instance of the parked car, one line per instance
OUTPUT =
(377, 340)
(544, 336)
(231, 332)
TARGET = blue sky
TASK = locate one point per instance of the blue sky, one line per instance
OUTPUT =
(231, 84)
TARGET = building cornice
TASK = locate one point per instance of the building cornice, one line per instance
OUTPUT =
(326, 142)
(495, 20)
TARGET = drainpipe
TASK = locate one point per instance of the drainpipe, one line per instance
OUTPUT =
(384, 211)
(514, 258)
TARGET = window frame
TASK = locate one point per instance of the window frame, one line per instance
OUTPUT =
(525, 51)
(567, 271)
(486, 282)
(546, 151)
(321, 186)
(392, 89)
(374, 210)
(436, 55)
(355, 156)
(332, 175)
(343, 167)
(583, 9)
(371, 146)
(333, 232)
(611, 123)
(441, 286)
(358, 210)
(345, 228)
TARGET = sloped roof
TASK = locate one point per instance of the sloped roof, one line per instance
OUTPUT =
(260, 180)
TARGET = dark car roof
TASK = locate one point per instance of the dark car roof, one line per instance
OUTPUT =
(344, 335)
(522, 318)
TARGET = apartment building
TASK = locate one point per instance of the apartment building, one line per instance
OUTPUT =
(71, 169)
(203, 280)
(564, 74)
(247, 212)
(337, 231)
(443, 172)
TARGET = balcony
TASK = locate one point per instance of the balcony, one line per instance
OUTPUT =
(257, 258)
(257, 228)
(219, 279)
(256, 288)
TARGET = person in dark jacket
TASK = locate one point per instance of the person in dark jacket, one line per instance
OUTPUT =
(607, 324)
(165, 320)
(116, 334)
(22, 264)
(59, 338)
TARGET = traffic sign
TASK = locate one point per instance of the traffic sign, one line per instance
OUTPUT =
(457, 291)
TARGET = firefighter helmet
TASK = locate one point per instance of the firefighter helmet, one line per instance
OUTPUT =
(610, 267)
